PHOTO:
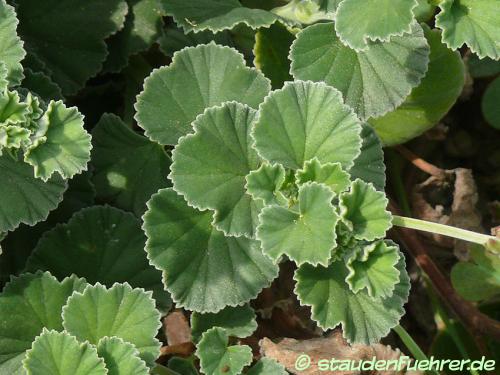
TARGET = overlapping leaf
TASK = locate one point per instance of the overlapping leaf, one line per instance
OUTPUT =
(198, 78)
(372, 82)
(26, 199)
(120, 357)
(236, 321)
(58, 353)
(363, 318)
(265, 183)
(129, 167)
(28, 304)
(475, 23)
(71, 47)
(209, 167)
(215, 15)
(306, 120)
(202, 269)
(329, 174)
(101, 244)
(430, 100)
(359, 21)
(308, 11)
(119, 311)
(372, 267)
(184, 366)
(305, 235)
(11, 46)
(217, 357)
(42, 85)
(64, 146)
(363, 209)
(489, 104)
(267, 366)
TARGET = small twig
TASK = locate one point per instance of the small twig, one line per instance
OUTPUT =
(421, 163)
(469, 315)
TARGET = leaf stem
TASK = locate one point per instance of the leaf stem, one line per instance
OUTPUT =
(412, 346)
(489, 242)
(421, 163)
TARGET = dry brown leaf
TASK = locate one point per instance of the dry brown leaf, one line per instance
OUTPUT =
(177, 328)
(287, 350)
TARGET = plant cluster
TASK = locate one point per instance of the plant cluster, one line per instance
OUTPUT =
(239, 169)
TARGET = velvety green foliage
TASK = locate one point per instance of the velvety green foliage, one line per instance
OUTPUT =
(489, 105)
(196, 79)
(203, 269)
(121, 357)
(329, 174)
(69, 46)
(264, 183)
(42, 85)
(267, 366)
(129, 167)
(11, 46)
(373, 81)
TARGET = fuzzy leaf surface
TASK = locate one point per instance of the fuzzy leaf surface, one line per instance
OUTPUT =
(120, 311)
(102, 244)
(217, 357)
(66, 145)
(358, 21)
(198, 78)
(329, 174)
(306, 235)
(28, 304)
(215, 15)
(11, 46)
(372, 82)
(364, 319)
(129, 168)
(265, 182)
(202, 269)
(237, 321)
(430, 100)
(475, 23)
(304, 120)
(121, 358)
(267, 366)
(209, 167)
(26, 199)
(364, 210)
(58, 353)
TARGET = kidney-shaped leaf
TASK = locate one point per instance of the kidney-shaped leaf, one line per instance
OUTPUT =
(198, 78)
(306, 120)
(58, 353)
(372, 82)
(265, 182)
(120, 311)
(11, 46)
(121, 358)
(209, 167)
(329, 174)
(202, 269)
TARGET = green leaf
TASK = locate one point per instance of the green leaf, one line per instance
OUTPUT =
(475, 23)
(429, 101)
(3, 76)
(373, 267)
(265, 183)
(221, 148)
(306, 235)
(26, 199)
(42, 85)
(359, 21)
(28, 304)
(197, 78)
(489, 103)
(267, 366)
(184, 366)
(143, 26)
(480, 68)
(121, 358)
(271, 53)
(217, 357)
(308, 11)
(236, 321)
(329, 174)
(372, 82)
(12, 136)
(202, 269)
(71, 47)
(215, 15)
(65, 146)
(369, 166)
(119, 311)
(101, 244)
(363, 209)
(363, 318)
(58, 353)
(13, 111)
(11, 46)
(424, 11)
(478, 279)
(306, 120)
(128, 167)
